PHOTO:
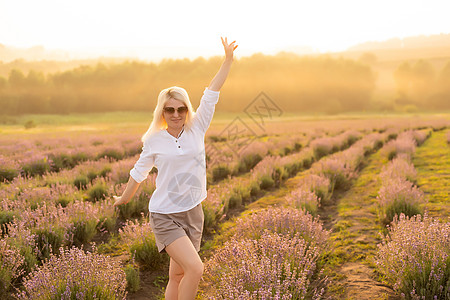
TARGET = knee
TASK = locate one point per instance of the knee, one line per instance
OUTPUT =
(196, 269)
(176, 277)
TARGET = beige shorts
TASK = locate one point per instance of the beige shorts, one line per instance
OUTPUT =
(169, 227)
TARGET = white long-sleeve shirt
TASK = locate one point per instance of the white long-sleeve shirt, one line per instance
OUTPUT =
(181, 164)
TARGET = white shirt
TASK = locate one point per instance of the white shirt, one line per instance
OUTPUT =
(181, 164)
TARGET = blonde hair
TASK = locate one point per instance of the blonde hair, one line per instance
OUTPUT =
(158, 122)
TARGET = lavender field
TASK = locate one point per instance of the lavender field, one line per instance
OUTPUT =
(353, 207)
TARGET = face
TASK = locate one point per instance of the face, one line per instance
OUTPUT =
(176, 119)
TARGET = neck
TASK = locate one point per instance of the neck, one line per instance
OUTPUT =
(174, 131)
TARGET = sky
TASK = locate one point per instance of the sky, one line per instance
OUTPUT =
(149, 29)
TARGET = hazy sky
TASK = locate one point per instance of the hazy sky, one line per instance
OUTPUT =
(190, 28)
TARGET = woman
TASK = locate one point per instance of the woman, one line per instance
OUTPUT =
(174, 143)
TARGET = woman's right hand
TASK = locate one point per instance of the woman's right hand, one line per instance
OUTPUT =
(118, 201)
(229, 48)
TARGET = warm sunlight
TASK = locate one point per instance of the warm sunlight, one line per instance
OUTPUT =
(306, 155)
(156, 29)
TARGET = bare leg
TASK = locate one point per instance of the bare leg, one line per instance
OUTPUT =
(176, 273)
(184, 254)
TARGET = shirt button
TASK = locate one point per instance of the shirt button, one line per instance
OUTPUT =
(179, 147)
(176, 141)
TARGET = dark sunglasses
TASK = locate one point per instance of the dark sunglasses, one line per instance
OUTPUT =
(171, 110)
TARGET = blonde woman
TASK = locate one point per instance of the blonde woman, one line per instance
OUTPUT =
(174, 144)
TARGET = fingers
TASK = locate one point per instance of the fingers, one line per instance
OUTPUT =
(116, 201)
(225, 42)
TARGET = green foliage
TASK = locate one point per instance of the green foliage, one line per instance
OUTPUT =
(146, 252)
(107, 87)
(293, 168)
(398, 207)
(297, 146)
(6, 217)
(392, 154)
(279, 175)
(105, 171)
(63, 201)
(48, 241)
(266, 182)
(392, 136)
(320, 151)
(216, 138)
(209, 222)
(111, 153)
(39, 167)
(91, 175)
(254, 189)
(61, 161)
(7, 120)
(235, 200)
(136, 207)
(220, 172)
(248, 162)
(8, 174)
(30, 124)
(81, 181)
(79, 157)
(133, 280)
(83, 231)
(97, 192)
(307, 162)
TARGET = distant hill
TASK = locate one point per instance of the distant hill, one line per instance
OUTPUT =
(422, 41)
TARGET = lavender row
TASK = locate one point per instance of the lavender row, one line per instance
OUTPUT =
(332, 173)
(267, 174)
(61, 154)
(398, 193)
(414, 256)
(272, 255)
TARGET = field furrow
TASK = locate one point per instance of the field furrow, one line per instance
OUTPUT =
(432, 162)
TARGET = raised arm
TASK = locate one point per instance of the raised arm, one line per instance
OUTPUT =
(218, 80)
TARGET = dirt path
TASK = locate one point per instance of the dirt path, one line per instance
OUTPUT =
(355, 234)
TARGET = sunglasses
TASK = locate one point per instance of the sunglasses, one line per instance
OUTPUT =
(171, 110)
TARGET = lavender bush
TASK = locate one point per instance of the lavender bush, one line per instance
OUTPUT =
(9, 169)
(405, 143)
(399, 196)
(399, 167)
(338, 171)
(319, 185)
(272, 267)
(304, 198)
(420, 136)
(285, 221)
(414, 258)
(20, 237)
(141, 244)
(11, 262)
(76, 274)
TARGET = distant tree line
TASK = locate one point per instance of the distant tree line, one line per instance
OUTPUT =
(420, 85)
(307, 84)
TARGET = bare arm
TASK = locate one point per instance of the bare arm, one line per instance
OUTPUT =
(130, 190)
(218, 80)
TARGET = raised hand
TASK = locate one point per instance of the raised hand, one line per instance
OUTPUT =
(229, 48)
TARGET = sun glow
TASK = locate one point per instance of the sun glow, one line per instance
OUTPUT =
(150, 29)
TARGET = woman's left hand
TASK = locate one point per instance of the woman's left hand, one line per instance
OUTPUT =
(229, 48)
